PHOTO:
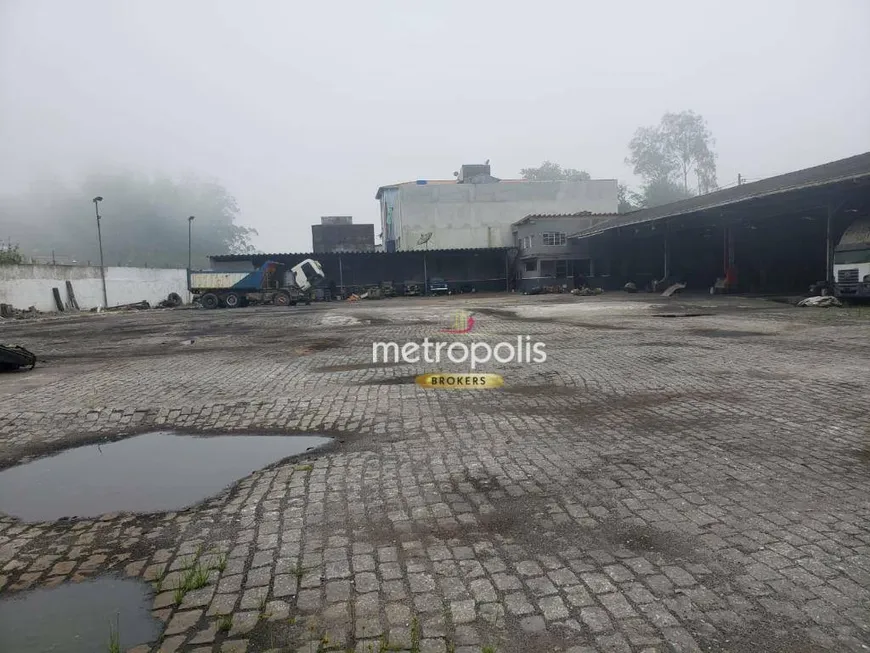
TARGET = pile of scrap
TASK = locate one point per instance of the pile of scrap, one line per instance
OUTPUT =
(8, 311)
(585, 291)
(173, 300)
(822, 301)
(672, 289)
(13, 357)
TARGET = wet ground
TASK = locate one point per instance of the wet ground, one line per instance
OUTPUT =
(686, 474)
(147, 473)
(85, 617)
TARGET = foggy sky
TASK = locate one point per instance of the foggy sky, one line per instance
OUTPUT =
(303, 109)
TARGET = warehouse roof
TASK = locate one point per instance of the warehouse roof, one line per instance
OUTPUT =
(581, 214)
(247, 257)
(853, 168)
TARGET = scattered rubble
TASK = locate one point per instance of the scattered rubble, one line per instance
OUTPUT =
(8, 311)
(821, 301)
(630, 287)
(586, 291)
(173, 300)
(135, 306)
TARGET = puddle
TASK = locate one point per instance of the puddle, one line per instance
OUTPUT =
(79, 617)
(153, 472)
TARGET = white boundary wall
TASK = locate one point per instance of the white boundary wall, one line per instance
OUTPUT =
(23, 286)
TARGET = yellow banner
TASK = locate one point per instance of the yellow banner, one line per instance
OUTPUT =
(468, 381)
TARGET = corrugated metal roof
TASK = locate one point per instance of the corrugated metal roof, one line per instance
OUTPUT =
(581, 214)
(854, 167)
(246, 257)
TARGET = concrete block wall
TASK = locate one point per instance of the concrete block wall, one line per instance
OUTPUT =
(23, 286)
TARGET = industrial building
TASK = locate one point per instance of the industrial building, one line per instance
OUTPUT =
(338, 233)
(477, 210)
(546, 256)
(480, 270)
(776, 235)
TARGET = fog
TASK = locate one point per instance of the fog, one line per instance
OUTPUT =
(304, 109)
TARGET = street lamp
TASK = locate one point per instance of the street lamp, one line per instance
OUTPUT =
(190, 220)
(97, 201)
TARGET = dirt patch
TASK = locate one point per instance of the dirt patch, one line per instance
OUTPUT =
(769, 376)
(321, 344)
(549, 390)
(725, 333)
(671, 343)
(351, 367)
(863, 454)
(409, 379)
(509, 315)
(597, 326)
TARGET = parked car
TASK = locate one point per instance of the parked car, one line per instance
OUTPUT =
(438, 287)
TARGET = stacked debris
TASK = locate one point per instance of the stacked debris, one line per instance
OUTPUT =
(9, 312)
(822, 301)
(585, 291)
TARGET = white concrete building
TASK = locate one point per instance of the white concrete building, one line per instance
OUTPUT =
(477, 210)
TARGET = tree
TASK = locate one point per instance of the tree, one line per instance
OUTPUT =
(658, 192)
(144, 220)
(9, 254)
(549, 171)
(627, 199)
(667, 155)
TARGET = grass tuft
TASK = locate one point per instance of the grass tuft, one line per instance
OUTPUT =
(224, 623)
(115, 635)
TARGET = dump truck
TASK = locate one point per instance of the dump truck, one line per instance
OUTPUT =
(852, 262)
(271, 283)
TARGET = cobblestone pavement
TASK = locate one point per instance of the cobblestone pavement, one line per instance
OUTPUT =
(682, 483)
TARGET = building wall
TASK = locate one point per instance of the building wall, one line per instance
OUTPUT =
(343, 238)
(23, 286)
(575, 252)
(481, 215)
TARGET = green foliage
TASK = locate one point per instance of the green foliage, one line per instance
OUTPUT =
(667, 155)
(627, 199)
(114, 645)
(9, 254)
(549, 171)
(144, 220)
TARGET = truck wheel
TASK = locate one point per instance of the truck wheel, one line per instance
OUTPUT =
(210, 300)
(282, 298)
(232, 300)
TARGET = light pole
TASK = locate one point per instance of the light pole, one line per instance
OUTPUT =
(97, 201)
(190, 220)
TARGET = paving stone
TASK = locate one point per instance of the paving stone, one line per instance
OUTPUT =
(183, 621)
(467, 499)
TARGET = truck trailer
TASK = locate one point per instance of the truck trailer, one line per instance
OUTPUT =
(271, 283)
(852, 262)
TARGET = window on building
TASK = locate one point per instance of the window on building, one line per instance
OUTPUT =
(561, 269)
(531, 265)
(554, 238)
(526, 242)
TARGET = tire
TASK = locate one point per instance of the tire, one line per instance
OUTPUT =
(282, 298)
(210, 300)
(232, 300)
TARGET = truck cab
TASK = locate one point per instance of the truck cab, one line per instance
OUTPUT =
(852, 262)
